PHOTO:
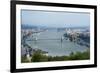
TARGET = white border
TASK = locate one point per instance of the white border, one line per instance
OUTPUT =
(20, 65)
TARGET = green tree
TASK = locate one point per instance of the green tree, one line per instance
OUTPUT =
(38, 56)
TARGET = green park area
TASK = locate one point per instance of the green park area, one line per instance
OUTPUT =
(39, 56)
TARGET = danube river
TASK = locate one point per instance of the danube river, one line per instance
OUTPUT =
(53, 42)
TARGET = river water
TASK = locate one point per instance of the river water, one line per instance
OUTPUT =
(50, 41)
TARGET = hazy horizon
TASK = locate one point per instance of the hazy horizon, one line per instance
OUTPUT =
(54, 19)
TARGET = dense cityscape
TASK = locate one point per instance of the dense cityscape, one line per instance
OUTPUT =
(80, 36)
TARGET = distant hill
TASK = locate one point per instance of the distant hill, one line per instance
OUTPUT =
(27, 26)
(24, 26)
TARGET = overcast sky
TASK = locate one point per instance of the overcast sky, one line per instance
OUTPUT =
(55, 19)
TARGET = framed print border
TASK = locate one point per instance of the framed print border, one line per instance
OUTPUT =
(13, 35)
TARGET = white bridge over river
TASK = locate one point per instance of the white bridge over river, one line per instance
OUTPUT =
(44, 35)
